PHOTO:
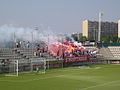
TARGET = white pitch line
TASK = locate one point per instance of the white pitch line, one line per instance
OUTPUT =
(99, 85)
(30, 79)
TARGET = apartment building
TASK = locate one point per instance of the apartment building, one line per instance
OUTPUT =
(90, 29)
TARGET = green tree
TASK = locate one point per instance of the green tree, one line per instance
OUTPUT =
(83, 38)
(107, 39)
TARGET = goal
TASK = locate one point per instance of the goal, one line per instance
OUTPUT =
(38, 66)
(19, 67)
(11, 67)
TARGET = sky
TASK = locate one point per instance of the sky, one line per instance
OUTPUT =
(60, 16)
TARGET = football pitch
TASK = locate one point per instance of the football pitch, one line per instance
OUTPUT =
(94, 77)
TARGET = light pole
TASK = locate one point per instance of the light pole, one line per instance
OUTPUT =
(32, 52)
(94, 34)
(99, 25)
(14, 40)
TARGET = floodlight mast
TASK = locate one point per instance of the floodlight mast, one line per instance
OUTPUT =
(99, 27)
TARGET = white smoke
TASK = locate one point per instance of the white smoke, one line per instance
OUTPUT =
(10, 33)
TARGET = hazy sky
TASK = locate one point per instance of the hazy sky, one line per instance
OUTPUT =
(62, 16)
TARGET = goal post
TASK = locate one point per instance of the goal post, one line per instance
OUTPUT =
(17, 70)
(11, 68)
(38, 66)
(18, 67)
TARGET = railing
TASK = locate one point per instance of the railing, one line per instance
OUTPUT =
(100, 45)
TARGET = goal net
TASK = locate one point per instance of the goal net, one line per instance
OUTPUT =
(10, 67)
(15, 68)
(38, 66)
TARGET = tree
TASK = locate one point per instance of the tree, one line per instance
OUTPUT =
(108, 39)
(83, 38)
(75, 37)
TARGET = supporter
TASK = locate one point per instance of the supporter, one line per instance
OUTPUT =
(38, 47)
(17, 45)
(28, 44)
(35, 54)
(20, 43)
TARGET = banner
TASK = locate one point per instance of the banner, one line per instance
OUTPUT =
(76, 59)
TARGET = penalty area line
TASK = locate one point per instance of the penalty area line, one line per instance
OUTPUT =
(99, 85)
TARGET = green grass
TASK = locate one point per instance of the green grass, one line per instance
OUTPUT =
(97, 77)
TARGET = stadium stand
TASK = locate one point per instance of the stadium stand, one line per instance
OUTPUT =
(115, 50)
(90, 47)
(8, 53)
(106, 52)
(24, 52)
